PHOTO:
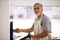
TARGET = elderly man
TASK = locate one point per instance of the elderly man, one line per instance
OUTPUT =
(41, 26)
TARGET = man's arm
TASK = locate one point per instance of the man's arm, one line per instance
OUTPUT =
(24, 30)
(41, 35)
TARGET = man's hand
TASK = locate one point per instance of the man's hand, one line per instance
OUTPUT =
(17, 30)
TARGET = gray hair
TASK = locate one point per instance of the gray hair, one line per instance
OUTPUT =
(39, 5)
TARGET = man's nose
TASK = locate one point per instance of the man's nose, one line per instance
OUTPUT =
(36, 10)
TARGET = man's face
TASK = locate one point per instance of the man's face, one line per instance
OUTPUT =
(38, 10)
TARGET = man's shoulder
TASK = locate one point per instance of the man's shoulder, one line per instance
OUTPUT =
(45, 18)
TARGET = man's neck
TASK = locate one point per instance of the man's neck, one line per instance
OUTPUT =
(40, 16)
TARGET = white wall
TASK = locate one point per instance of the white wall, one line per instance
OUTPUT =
(4, 20)
(31, 2)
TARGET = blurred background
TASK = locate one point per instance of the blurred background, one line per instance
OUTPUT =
(21, 13)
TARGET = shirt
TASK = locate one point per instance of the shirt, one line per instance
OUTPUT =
(45, 25)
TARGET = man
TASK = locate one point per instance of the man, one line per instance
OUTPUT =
(45, 24)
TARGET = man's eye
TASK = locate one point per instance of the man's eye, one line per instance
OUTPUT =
(36, 8)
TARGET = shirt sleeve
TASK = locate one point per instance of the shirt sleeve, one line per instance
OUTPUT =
(46, 25)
